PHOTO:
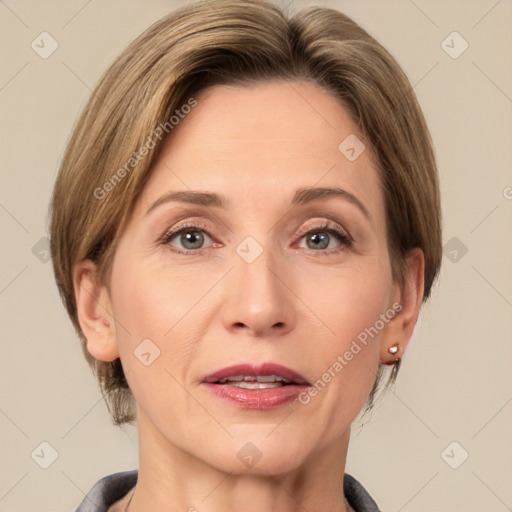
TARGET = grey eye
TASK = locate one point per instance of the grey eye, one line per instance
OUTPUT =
(191, 239)
(188, 239)
(318, 240)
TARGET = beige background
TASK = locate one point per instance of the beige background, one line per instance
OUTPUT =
(456, 380)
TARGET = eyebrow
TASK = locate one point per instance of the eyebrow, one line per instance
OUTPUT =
(309, 194)
(302, 196)
(201, 198)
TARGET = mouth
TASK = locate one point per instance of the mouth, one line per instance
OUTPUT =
(267, 375)
(265, 386)
(258, 382)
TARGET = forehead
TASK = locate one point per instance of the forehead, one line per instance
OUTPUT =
(263, 142)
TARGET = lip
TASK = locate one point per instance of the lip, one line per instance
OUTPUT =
(262, 399)
(264, 369)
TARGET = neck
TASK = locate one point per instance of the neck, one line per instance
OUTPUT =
(171, 479)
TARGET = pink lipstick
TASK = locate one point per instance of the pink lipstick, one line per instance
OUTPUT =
(265, 386)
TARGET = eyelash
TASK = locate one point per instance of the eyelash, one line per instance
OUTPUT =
(332, 229)
(327, 227)
(185, 227)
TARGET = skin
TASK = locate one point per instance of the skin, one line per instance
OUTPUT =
(297, 305)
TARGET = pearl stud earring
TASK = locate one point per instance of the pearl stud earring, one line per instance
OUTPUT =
(394, 349)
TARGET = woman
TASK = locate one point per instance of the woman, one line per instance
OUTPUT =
(244, 226)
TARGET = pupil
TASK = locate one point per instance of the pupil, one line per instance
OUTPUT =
(195, 238)
(320, 240)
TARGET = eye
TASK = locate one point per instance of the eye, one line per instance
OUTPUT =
(190, 238)
(319, 238)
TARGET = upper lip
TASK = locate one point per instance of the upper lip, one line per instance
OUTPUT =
(250, 370)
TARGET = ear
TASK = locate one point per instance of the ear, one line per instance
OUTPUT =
(406, 301)
(94, 312)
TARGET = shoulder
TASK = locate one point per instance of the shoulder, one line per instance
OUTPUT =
(357, 496)
(107, 491)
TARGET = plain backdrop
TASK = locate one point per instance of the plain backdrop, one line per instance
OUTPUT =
(453, 397)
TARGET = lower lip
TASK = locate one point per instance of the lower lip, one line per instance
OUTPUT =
(269, 398)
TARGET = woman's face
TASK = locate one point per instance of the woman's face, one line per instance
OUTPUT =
(197, 287)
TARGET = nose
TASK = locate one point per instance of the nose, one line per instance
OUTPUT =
(258, 298)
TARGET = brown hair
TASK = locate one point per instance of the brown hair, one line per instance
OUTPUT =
(234, 42)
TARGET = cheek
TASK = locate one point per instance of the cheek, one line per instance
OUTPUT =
(148, 308)
(150, 301)
(346, 356)
(151, 315)
(138, 307)
(347, 301)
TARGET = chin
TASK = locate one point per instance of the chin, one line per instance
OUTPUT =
(257, 455)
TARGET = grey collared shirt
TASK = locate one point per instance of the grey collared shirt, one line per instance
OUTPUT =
(114, 487)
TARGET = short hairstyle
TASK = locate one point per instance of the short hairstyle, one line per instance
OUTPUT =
(234, 42)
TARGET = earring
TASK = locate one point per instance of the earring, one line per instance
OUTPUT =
(396, 363)
(394, 349)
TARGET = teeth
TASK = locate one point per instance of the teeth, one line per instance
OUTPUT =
(256, 385)
(235, 378)
(268, 378)
(252, 378)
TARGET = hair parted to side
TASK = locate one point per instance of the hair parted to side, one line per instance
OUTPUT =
(234, 42)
